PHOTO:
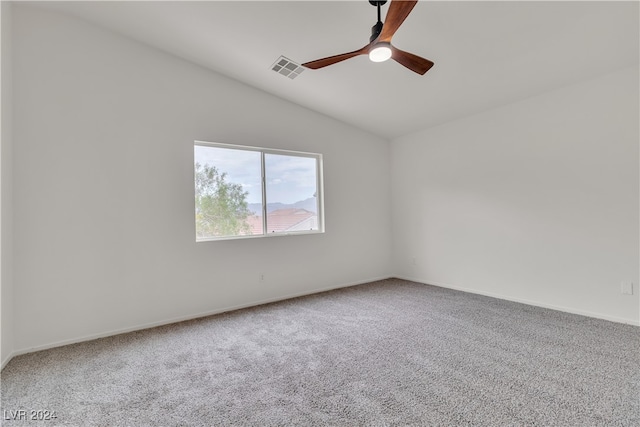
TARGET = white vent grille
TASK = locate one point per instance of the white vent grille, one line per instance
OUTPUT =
(287, 67)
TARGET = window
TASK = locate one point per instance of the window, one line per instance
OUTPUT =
(245, 192)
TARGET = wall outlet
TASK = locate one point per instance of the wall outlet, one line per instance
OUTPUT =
(413, 261)
(261, 277)
(626, 288)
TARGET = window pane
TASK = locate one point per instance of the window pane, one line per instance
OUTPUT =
(228, 192)
(291, 189)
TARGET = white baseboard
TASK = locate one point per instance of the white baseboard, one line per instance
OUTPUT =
(300, 294)
(7, 360)
(525, 301)
(182, 318)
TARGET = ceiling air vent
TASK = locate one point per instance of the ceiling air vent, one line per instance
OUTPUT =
(287, 67)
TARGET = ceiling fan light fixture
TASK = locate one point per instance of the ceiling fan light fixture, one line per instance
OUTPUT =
(380, 52)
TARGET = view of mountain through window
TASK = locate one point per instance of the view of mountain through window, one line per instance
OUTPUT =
(235, 187)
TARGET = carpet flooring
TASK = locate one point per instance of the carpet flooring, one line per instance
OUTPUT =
(387, 353)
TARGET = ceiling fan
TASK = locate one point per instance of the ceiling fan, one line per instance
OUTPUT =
(380, 48)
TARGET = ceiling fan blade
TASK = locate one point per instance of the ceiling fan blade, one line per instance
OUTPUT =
(411, 61)
(319, 63)
(397, 13)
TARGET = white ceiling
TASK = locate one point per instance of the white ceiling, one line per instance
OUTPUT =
(486, 54)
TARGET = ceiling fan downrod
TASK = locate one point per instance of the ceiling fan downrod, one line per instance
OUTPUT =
(377, 28)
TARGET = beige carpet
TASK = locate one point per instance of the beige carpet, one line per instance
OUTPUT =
(387, 353)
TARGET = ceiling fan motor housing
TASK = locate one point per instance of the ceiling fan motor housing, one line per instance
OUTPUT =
(375, 31)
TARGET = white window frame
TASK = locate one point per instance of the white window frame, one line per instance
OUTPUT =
(263, 151)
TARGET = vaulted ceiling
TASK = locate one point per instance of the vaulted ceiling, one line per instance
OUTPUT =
(486, 54)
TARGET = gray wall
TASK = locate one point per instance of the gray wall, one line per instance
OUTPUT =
(535, 201)
(104, 200)
(6, 189)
